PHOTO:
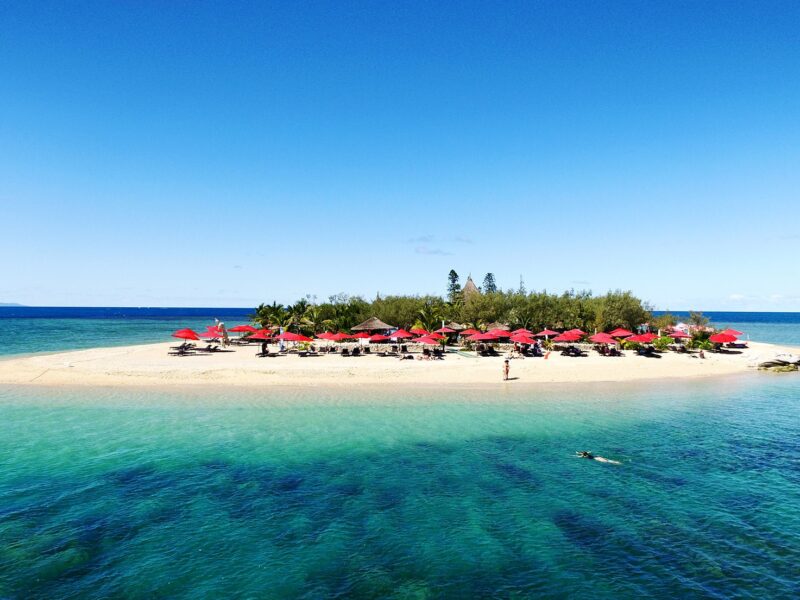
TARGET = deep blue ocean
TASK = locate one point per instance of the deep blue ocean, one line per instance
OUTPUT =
(358, 493)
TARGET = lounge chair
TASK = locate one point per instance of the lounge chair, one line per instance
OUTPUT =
(345, 352)
(355, 352)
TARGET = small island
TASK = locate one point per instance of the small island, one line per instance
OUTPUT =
(462, 339)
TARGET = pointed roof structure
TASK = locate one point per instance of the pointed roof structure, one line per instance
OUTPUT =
(372, 324)
(470, 287)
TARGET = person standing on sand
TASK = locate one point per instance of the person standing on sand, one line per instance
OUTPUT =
(506, 367)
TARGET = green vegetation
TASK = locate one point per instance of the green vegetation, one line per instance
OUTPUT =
(533, 310)
(663, 322)
(663, 343)
(698, 319)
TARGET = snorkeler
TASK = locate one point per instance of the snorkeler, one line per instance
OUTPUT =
(590, 456)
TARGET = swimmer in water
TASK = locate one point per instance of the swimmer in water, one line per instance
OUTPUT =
(590, 456)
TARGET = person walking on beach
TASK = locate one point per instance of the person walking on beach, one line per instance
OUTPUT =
(506, 367)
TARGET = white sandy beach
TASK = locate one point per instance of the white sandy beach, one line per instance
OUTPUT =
(151, 365)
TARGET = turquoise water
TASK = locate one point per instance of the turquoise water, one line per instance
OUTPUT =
(452, 495)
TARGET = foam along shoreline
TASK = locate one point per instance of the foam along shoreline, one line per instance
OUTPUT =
(150, 364)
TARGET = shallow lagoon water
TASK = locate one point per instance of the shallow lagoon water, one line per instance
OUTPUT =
(421, 495)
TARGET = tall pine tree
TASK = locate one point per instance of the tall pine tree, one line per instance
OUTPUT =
(489, 286)
(453, 287)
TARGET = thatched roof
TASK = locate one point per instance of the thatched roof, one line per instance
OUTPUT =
(502, 326)
(456, 326)
(373, 324)
(470, 287)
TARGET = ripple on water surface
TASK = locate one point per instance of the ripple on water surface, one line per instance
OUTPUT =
(322, 496)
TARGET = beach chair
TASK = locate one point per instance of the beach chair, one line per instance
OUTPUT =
(345, 352)
(355, 352)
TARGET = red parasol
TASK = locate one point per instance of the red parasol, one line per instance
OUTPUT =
(419, 331)
(400, 333)
(362, 335)
(732, 332)
(679, 335)
(546, 332)
(445, 330)
(341, 336)
(482, 337)
(722, 338)
(426, 339)
(467, 332)
(288, 336)
(186, 334)
(521, 338)
(522, 330)
(262, 334)
(644, 338)
(567, 336)
(499, 333)
(620, 332)
(325, 335)
(378, 338)
(243, 329)
(602, 338)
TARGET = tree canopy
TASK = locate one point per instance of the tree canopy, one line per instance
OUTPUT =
(533, 310)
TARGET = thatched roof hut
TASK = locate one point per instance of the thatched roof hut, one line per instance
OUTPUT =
(469, 287)
(373, 324)
(502, 326)
(456, 326)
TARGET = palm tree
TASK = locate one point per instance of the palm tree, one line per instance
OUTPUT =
(430, 316)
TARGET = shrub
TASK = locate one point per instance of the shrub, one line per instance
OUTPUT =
(662, 344)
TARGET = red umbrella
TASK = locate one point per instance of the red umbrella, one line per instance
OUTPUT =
(288, 336)
(722, 338)
(567, 336)
(435, 336)
(679, 335)
(426, 339)
(546, 332)
(263, 334)
(602, 338)
(523, 330)
(620, 332)
(578, 331)
(363, 335)
(210, 334)
(378, 338)
(482, 337)
(445, 330)
(400, 333)
(732, 332)
(467, 332)
(521, 338)
(644, 338)
(499, 333)
(325, 335)
(243, 329)
(419, 331)
(186, 334)
(341, 336)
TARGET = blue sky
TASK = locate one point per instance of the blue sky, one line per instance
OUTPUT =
(223, 154)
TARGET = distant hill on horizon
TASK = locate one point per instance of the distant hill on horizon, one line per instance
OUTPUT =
(10, 304)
